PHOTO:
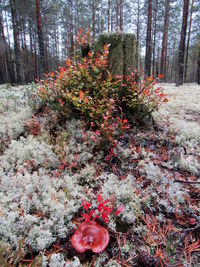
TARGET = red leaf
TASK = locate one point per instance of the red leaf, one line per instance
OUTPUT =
(119, 210)
(100, 199)
(192, 221)
(86, 205)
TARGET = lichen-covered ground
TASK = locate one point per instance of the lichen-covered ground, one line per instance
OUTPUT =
(46, 170)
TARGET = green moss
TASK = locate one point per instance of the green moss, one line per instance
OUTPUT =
(122, 51)
(129, 48)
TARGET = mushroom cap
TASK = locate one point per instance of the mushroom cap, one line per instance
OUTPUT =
(90, 236)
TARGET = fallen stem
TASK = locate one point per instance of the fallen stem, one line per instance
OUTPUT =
(186, 182)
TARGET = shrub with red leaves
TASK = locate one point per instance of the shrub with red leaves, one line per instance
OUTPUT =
(34, 127)
(103, 211)
(85, 86)
(90, 235)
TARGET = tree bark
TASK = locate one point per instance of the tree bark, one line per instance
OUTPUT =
(182, 44)
(36, 59)
(102, 16)
(108, 15)
(188, 40)
(40, 36)
(93, 19)
(31, 48)
(5, 53)
(117, 15)
(148, 40)
(72, 30)
(164, 39)
(198, 68)
(121, 15)
(112, 19)
(138, 64)
(16, 37)
(154, 35)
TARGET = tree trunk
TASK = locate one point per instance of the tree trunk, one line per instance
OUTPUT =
(188, 40)
(71, 29)
(108, 15)
(16, 41)
(8, 61)
(148, 40)
(198, 68)
(46, 41)
(173, 61)
(32, 56)
(121, 15)
(112, 19)
(164, 38)
(40, 37)
(98, 20)
(154, 35)
(101, 16)
(93, 19)
(117, 15)
(182, 44)
(165, 63)
(36, 59)
(138, 35)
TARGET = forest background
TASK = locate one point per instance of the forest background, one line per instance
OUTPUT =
(37, 36)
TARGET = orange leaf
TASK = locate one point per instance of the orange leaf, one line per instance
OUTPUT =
(90, 54)
(51, 74)
(85, 100)
(61, 74)
(160, 76)
(105, 47)
(68, 62)
(80, 32)
(81, 94)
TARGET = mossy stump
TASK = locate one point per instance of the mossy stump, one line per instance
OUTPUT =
(123, 53)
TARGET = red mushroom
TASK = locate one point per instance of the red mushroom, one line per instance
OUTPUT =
(90, 236)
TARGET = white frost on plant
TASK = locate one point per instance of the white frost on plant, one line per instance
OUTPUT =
(37, 207)
(186, 130)
(124, 193)
(30, 149)
(189, 163)
(12, 124)
(153, 172)
(176, 192)
(58, 260)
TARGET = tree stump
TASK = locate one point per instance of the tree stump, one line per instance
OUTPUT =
(123, 51)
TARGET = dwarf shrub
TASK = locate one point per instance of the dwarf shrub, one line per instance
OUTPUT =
(86, 87)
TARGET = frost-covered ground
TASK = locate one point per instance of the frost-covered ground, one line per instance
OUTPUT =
(155, 176)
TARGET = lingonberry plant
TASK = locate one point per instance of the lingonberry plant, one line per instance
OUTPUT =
(86, 87)
(34, 126)
(103, 210)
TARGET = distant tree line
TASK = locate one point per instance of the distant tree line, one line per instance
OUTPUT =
(36, 36)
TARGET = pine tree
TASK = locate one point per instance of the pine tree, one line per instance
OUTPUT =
(198, 68)
(40, 36)
(164, 39)
(148, 40)
(182, 44)
(16, 38)
(121, 15)
(188, 40)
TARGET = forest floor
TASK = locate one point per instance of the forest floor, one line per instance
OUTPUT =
(46, 170)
